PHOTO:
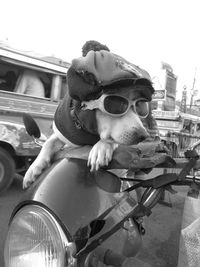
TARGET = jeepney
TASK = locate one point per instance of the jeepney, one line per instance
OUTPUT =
(177, 129)
(17, 148)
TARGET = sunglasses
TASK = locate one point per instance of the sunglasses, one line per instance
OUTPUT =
(116, 105)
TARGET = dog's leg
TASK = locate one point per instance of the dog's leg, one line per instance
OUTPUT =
(101, 154)
(50, 147)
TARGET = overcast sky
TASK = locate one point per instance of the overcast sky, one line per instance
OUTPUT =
(145, 32)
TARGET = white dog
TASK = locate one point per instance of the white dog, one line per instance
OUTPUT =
(114, 110)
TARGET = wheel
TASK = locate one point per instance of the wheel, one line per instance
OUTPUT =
(7, 169)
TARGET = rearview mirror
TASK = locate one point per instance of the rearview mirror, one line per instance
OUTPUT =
(31, 126)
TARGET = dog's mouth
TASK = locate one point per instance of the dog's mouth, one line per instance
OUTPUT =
(132, 137)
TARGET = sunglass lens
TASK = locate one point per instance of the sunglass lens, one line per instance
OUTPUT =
(116, 104)
(142, 108)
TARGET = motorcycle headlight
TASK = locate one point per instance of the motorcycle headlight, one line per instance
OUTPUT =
(35, 239)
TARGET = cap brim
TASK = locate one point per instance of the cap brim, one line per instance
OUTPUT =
(126, 82)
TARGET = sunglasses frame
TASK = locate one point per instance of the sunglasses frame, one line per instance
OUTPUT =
(99, 104)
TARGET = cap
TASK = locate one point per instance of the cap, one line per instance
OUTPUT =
(88, 75)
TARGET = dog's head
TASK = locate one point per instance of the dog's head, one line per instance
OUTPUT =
(100, 74)
(120, 109)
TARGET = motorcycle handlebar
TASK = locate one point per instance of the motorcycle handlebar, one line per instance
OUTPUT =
(131, 157)
(134, 158)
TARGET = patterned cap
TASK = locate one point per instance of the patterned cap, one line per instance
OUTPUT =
(88, 75)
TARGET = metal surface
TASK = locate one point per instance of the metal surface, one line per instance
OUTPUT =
(16, 57)
(70, 190)
(15, 135)
(2, 172)
(12, 103)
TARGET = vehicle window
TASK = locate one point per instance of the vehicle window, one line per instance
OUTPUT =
(7, 82)
(21, 80)
(8, 77)
(30, 83)
(64, 87)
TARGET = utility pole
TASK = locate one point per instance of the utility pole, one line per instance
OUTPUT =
(192, 90)
(184, 99)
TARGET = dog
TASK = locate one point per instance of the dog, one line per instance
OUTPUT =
(105, 105)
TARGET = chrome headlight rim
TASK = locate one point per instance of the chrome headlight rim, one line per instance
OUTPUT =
(69, 248)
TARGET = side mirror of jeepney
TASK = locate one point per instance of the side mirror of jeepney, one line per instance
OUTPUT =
(32, 128)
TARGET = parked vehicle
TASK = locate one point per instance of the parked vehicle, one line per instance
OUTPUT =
(178, 130)
(22, 77)
(69, 212)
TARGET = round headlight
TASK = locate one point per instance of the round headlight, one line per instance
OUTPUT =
(35, 239)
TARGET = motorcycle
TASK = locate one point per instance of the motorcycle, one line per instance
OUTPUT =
(72, 217)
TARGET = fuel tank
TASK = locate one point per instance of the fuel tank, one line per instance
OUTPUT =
(73, 193)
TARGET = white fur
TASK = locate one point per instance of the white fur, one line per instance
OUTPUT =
(126, 130)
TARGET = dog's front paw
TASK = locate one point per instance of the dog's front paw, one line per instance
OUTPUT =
(34, 171)
(101, 154)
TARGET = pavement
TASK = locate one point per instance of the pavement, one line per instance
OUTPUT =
(163, 227)
(161, 241)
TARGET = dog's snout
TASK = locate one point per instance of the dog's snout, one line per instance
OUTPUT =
(132, 136)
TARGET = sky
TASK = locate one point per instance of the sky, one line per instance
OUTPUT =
(145, 32)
